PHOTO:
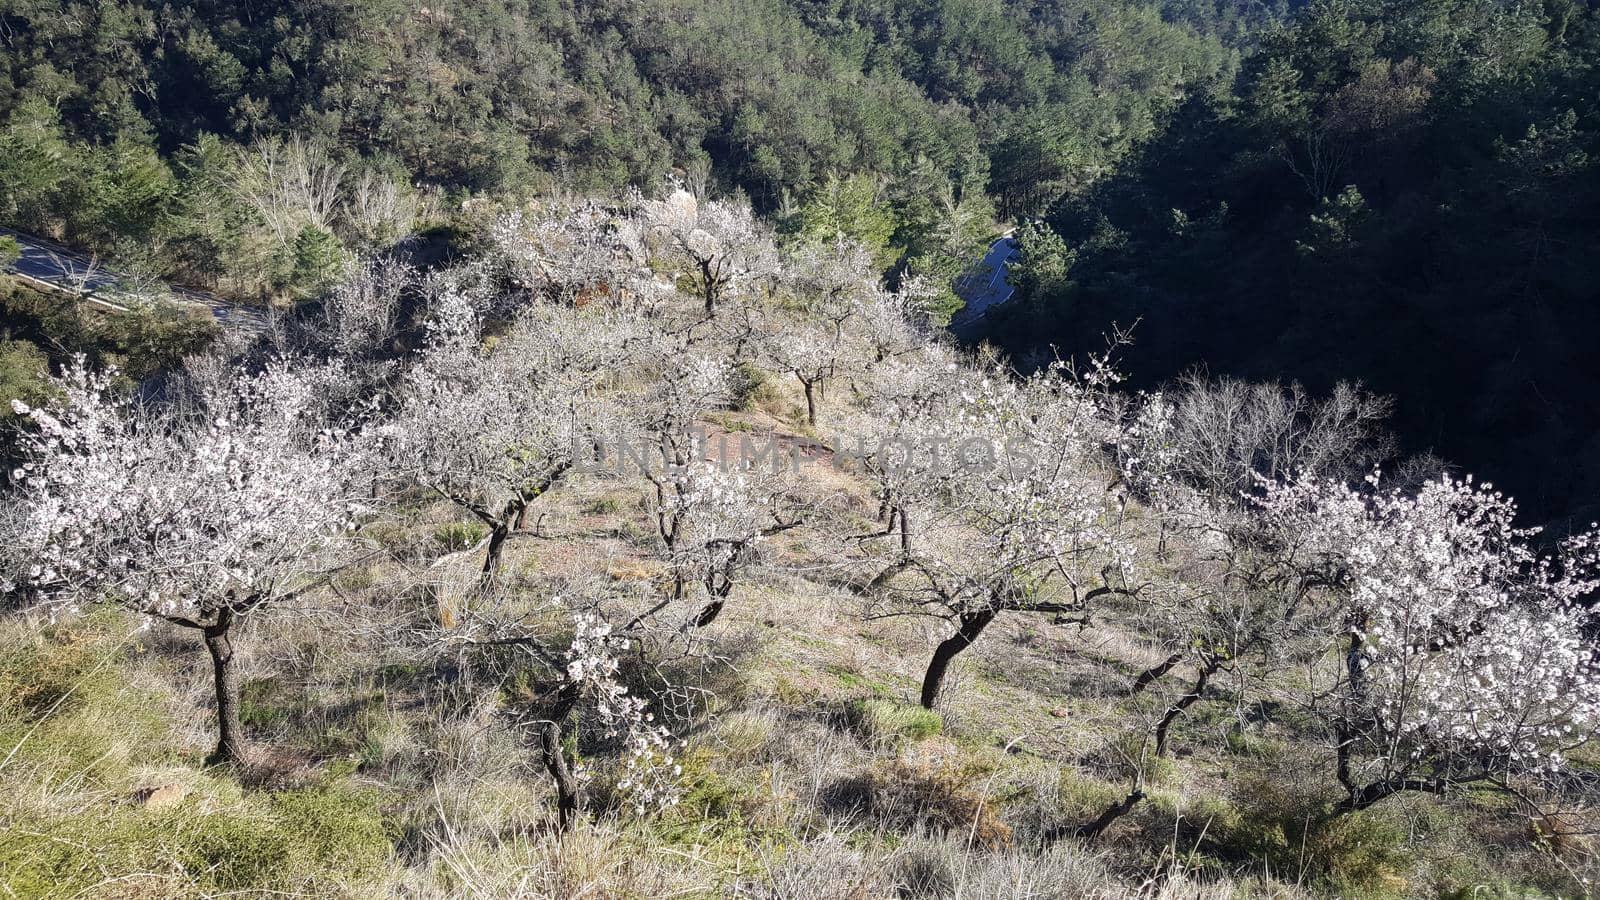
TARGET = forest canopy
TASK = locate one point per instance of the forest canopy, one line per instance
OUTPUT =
(122, 119)
(1398, 192)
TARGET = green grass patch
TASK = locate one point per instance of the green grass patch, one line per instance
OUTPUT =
(79, 724)
(891, 721)
(454, 536)
(66, 705)
(602, 506)
(856, 682)
(295, 841)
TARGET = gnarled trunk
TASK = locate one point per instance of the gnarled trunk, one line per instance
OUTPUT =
(969, 627)
(708, 286)
(718, 591)
(570, 796)
(709, 612)
(1115, 811)
(509, 521)
(1209, 667)
(497, 545)
(230, 734)
(1381, 790)
(1156, 672)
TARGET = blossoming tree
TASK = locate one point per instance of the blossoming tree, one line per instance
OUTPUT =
(723, 248)
(198, 520)
(563, 649)
(1022, 521)
(712, 522)
(1465, 655)
(491, 430)
(569, 253)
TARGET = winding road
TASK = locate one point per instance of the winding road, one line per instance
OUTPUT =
(49, 265)
(985, 286)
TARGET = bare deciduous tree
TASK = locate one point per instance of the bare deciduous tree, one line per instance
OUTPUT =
(289, 184)
(381, 211)
(1221, 436)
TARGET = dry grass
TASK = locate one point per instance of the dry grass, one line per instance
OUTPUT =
(801, 794)
(816, 779)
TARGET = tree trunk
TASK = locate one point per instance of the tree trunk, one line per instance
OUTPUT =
(708, 285)
(905, 533)
(230, 735)
(971, 625)
(1115, 811)
(1381, 790)
(1209, 668)
(570, 797)
(508, 520)
(1345, 723)
(811, 402)
(1154, 673)
(491, 557)
(719, 599)
(709, 612)
(1355, 662)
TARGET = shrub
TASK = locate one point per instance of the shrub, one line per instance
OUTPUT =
(1244, 743)
(24, 376)
(36, 676)
(1080, 798)
(1360, 854)
(231, 852)
(752, 387)
(926, 870)
(314, 261)
(47, 857)
(1129, 756)
(1286, 825)
(723, 817)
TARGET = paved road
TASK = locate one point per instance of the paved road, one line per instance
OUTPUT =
(986, 287)
(51, 265)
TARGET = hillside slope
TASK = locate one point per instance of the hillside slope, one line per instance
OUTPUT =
(394, 624)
